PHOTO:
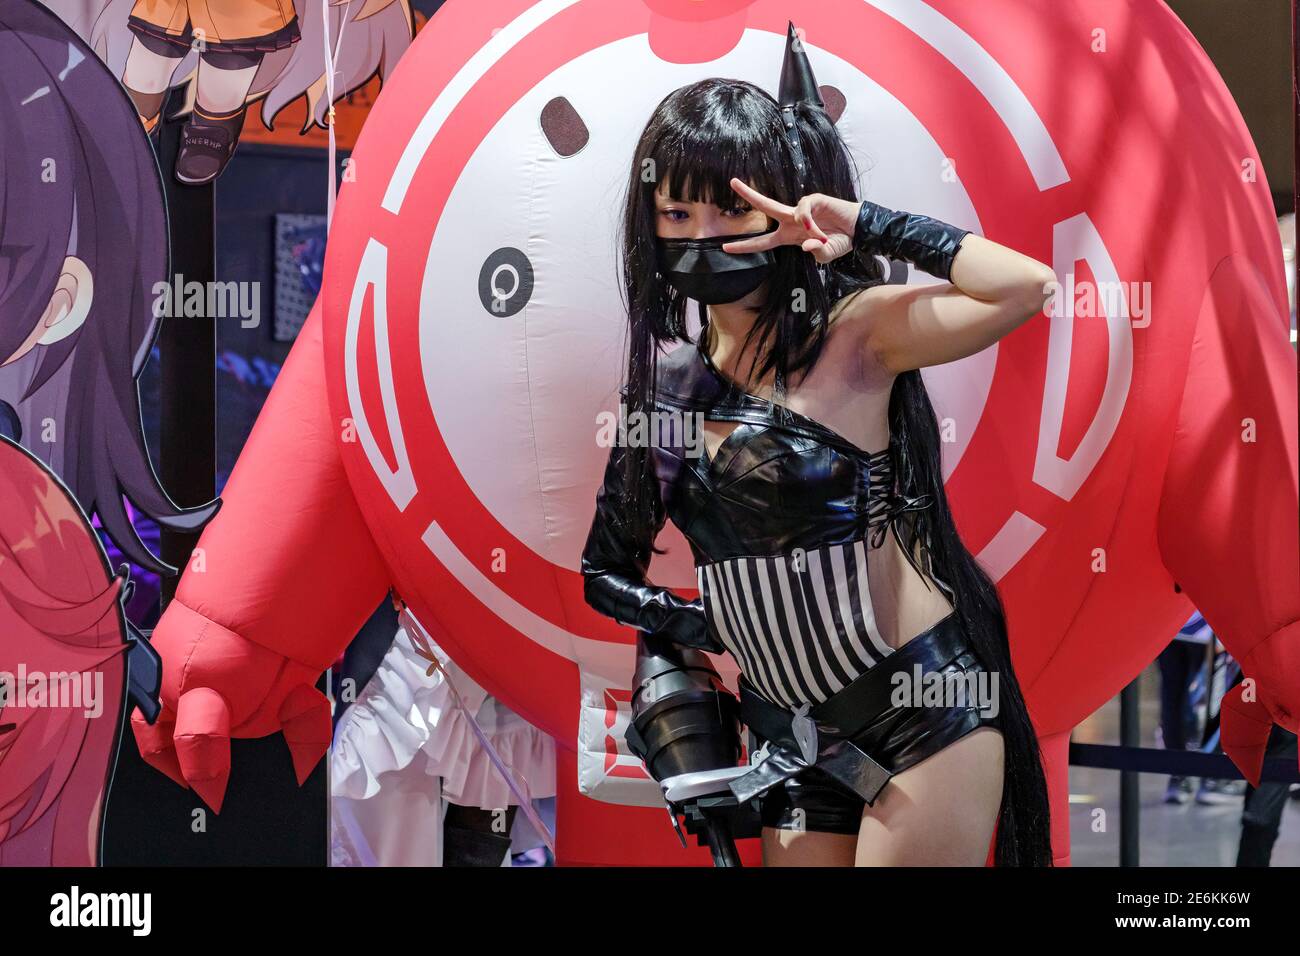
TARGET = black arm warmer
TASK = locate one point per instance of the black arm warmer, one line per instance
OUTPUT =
(927, 243)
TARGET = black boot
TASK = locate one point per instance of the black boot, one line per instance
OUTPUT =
(207, 143)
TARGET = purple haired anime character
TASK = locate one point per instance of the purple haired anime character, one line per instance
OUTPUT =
(83, 241)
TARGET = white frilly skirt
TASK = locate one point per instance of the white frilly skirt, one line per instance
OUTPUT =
(404, 749)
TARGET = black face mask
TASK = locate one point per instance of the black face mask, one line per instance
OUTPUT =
(700, 270)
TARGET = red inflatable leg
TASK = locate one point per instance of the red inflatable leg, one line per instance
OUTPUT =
(281, 581)
(1227, 523)
(1251, 708)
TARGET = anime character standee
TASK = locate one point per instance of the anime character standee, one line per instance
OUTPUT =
(235, 52)
(83, 242)
(69, 664)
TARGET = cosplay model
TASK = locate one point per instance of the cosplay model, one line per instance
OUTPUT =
(827, 558)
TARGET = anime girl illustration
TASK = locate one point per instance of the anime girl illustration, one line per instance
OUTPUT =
(232, 54)
(83, 241)
(64, 661)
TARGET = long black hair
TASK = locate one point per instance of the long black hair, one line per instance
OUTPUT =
(697, 139)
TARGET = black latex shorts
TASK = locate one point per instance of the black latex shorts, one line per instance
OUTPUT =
(894, 737)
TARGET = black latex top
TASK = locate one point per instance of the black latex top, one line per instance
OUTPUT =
(779, 481)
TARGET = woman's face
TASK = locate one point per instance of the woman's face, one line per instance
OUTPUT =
(682, 219)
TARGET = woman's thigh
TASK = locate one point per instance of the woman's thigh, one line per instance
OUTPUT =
(940, 812)
(807, 848)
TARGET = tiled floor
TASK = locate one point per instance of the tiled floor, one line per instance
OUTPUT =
(1187, 835)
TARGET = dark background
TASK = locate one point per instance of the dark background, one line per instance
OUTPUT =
(1251, 43)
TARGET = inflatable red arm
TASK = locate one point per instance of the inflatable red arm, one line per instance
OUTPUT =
(281, 581)
(1227, 525)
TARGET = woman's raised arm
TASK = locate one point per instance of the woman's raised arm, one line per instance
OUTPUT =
(993, 289)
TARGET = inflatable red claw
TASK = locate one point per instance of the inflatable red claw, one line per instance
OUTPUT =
(1250, 709)
(266, 602)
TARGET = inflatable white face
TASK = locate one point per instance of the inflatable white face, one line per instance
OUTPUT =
(522, 331)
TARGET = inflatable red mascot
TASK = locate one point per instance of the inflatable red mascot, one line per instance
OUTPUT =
(1131, 455)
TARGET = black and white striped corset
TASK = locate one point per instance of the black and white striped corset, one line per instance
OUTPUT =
(800, 626)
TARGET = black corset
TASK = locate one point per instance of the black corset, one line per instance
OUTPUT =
(783, 493)
(779, 482)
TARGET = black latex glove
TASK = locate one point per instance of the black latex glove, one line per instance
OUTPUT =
(614, 565)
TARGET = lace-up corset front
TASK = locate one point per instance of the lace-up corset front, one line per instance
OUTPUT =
(781, 520)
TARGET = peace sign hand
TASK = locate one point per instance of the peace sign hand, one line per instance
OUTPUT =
(798, 225)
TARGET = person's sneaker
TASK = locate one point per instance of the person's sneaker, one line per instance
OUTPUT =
(1216, 792)
(1177, 791)
(205, 151)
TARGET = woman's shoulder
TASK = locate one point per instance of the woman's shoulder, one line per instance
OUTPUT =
(857, 309)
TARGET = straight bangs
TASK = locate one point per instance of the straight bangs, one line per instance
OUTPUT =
(699, 163)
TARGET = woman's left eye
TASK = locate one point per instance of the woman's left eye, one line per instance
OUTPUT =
(737, 210)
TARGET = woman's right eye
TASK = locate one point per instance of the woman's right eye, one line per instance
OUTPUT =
(673, 215)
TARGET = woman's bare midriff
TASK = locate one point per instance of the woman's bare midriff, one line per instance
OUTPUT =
(848, 393)
(905, 606)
